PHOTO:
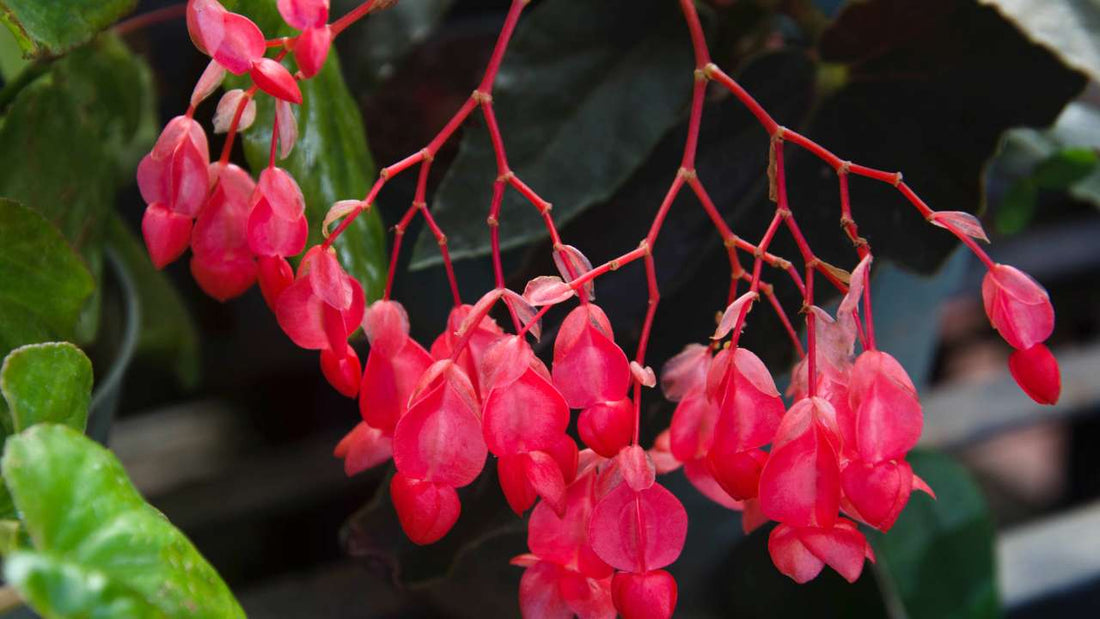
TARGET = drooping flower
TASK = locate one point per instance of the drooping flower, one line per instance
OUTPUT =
(1018, 306)
(802, 552)
(589, 367)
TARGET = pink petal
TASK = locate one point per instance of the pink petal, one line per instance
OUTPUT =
(614, 532)
(876, 493)
(225, 278)
(188, 179)
(588, 366)
(960, 221)
(282, 193)
(527, 415)
(737, 472)
(645, 376)
(842, 547)
(607, 427)
(439, 439)
(733, 314)
(1036, 371)
(692, 429)
(363, 448)
(547, 290)
(274, 275)
(288, 129)
(539, 597)
(512, 474)
(386, 324)
(505, 361)
(301, 315)
(210, 80)
(662, 456)
(271, 235)
(167, 234)
(312, 49)
(572, 263)
(221, 231)
(800, 484)
(330, 281)
(546, 478)
(152, 177)
(750, 406)
(790, 555)
(243, 44)
(205, 24)
(304, 14)
(684, 372)
(649, 595)
(887, 412)
(588, 598)
(636, 468)
(227, 111)
(274, 79)
(700, 477)
(343, 372)
(1018, 306)
(427, 510)
(388, 383)
(524, 311)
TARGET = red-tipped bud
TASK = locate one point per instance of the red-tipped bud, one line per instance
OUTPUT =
(607, 427)
(1018, 306)
(650, 595)
(1036, 371)
(427, 510)
(311, 50)
(343, 372)
(167, 234)
(274, 79)
(228, 107)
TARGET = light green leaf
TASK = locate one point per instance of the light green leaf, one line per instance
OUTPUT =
(52, 27)
(98, 549)
(46, 383)
(43, 283)
(937, 561)
(1065, 168)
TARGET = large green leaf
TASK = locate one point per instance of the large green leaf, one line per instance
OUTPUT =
(938, 559)
(586, 92)
(71, 137)
(51, 27)
(1067, 27)
(330, 162)
(46, 383)
(98, 549)
(43, 283)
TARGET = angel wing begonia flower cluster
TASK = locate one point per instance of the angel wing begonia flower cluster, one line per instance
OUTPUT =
(820, 463)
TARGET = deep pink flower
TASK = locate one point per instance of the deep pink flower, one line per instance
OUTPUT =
(589, 367)
(607, 427)
(648, 595)
(167, 234)
(427, 510)
(887, 413)
(363, 448)
(311, 50)
(800, 484)
(1036, 371)
(274, 79)
(303, 14)
(394, 366)
(233, 40)
(615, 537)
(1018, 306)
(801, 552)
(222, 263)
(877, 493)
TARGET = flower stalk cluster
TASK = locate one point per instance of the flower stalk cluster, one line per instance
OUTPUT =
(602, 528)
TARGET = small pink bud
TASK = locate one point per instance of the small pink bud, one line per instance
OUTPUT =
(650, 595)
(645, 376)
(227, 111)
(1018, 306)
(210, 80)
(427, 510)
(636, 468)
(607, 427)
(167, 234)
(547, 290)
(274, 79)
(312, 49)
(343, 372)
(1036, 371)
(363, 448)
(572, 263)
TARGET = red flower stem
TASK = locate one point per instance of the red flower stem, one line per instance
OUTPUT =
(534, 320)
(494, 240)
(863, 249)
(473, 320)
(351, 17)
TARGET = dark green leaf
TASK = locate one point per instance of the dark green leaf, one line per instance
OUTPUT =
(938, 559)
(1067, 27)
(330, 162)
(43, 283)
(52, 27)
(98, 549)
(1017, 208)
(1063, 169)
(46, 383)
(377, 44)
(167, 330)
(586, 92)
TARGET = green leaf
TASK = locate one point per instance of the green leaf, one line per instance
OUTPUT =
(379, 42)
(98, 549)
(1066, 27)
(938, 559)
(1017, 208)
(168, 331)
(46, 383)
(43, 283)
(1065, 168)
(71, 137)
(331, 161)
(52, 27)
(586, 92)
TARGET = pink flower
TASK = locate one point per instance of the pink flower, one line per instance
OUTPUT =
(800, 484)
(232, 40)
(801, 552)
(589, 367)
(1036, 371)
(1018, 306)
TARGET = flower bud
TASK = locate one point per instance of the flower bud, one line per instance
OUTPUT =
(427, 510)
(1036, 371)
(1018, 306)
(607, 427)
